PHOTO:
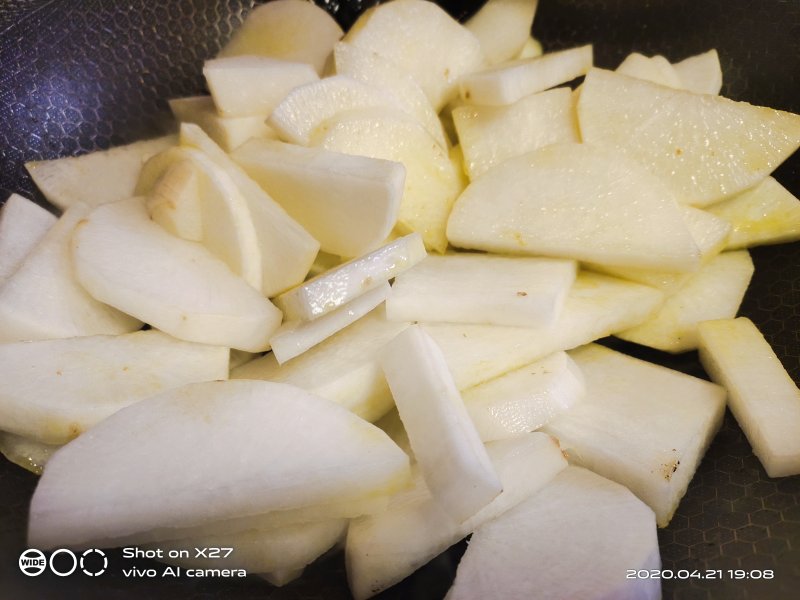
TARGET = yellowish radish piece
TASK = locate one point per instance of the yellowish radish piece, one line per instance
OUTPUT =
(22, 225)
(701, 73)
(503, 27)
(26, 453)
(531, 49)
(656, 69)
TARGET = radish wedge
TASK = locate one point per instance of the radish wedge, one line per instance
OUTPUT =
(701, 73)
(26, 453)
(503, 27)
(22, 225)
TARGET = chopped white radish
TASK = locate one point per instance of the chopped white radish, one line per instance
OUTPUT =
(482, 289)
(229, 132)
(509, 82)
(22, 225)
(575, 201)
(378, 71)
(640, 424)
(123, 258)
(595, 307)
(43, 299)
(26, 453)
(714, 292)
(295, 337)
(433, 181)
(78, 382)
(531, 49)
(491, 134)
(525, 399)
(287, 250)
(248, 458)
(383, 549)
(247, 86)
(287, 29)
(334, 288)
(258, 550)
(343, 368)
(348, 203)
(503, 27)
(767, 213)
(576, 538)
(97, 177)
(173, 199)
(422, 39)
(324, 262)
(393, 426)
(721, 148)
(701, 74)
(308, 106)
(449, 452)
(656, 69)
(761, 394)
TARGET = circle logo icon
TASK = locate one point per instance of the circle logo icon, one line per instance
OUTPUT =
(101, 555)
(32, 562)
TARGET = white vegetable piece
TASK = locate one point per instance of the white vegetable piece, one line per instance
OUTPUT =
(761, 394)
(22, 225)
(80, 381)
(595, 307)
(509, 82)
(26, 453)
(640, 424)
(172, 196)
(309, 106)
(287, 250)
(767, 213)
(343, 368)
(248, 458)
(575, 201)
(503, 27)
(259, 550)
(531, 49)
(422, 39)
(576, 538)
(97, 177)
(375, 70)
(334, 288)
(701, 74)
(491, 134)
(715, 292)
(656, 69)
(230, 132)
(123, 258)
(295, 337)
(482, 289)
(349, 203)
(722, 147)
(43, 299)
(447, 447)
(247, 86)
(286, 29)
(385, 548)
(433, 180)
(525, 399)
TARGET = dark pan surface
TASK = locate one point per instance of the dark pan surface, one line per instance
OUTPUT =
(78, 76)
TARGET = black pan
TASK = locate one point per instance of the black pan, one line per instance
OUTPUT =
(78, 76)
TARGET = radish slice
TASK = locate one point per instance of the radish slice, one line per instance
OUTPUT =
(22, 225)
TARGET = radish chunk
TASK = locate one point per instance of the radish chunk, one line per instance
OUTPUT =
(384, 548)
(43, 299)
(123, 258)
(26, 453)
(721, 148)
(575, 201)
(491, 134)
(525, 399)
(295, 337)
(701, 74)
(80, 381)
(576, 539)
(642, 425)
(595, 307)
(22, 225)
(330, 290)
(247, 456)
(509, 82)
(344, 368)
(761, 394)
(714, 292)
(246, 86)
(482, 289)
(170, 182)
(348, 203)
(656, 69)
(503, 27)
(447, 447)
